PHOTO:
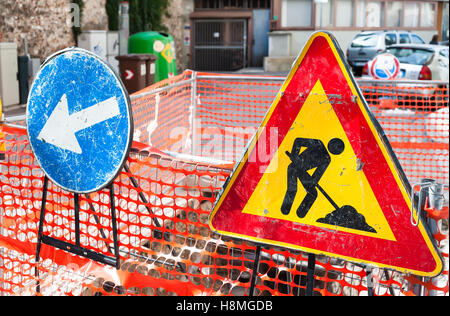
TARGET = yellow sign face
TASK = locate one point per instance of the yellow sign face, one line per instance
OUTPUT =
(344, 179)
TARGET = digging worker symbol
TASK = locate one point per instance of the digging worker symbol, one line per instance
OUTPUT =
(314, 156)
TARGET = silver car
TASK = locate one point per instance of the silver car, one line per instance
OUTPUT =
(367, 44)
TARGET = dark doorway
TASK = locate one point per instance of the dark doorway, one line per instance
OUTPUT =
(220, 45)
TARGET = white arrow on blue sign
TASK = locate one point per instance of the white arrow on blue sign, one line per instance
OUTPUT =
(79, 121)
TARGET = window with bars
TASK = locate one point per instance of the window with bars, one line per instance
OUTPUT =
(232, 4)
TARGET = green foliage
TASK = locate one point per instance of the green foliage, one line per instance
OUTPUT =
(146, 15)
(112, 10)
(77, 30)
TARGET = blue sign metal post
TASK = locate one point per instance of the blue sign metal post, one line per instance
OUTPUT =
(80, 127)
(79, 121)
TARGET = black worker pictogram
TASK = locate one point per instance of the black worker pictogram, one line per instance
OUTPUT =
(308, 166)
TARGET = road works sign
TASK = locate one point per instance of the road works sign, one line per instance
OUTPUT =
(79, 121)
(333, 186)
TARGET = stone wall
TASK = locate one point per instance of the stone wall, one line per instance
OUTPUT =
(94, 15)
(178, 26)
(44, 24)
(47, 24)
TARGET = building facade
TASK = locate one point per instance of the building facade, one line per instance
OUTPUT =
(292, 22)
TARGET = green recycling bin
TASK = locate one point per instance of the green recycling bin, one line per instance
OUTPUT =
(160, 45)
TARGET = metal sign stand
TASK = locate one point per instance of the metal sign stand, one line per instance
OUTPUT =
(310, 274)
(369, 277)
(255, 269)
(76, 248)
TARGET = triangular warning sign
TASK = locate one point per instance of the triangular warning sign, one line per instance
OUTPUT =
(333, 185)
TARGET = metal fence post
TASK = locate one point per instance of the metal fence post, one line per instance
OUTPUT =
(193, 110)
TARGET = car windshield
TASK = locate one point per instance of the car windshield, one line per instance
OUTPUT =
(409, 55)
(365, 40)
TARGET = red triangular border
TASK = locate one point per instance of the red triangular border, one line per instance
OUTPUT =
(411, 252)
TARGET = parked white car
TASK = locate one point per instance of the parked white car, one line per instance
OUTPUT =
(420, 62)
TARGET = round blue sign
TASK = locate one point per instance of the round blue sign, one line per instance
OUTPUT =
(79, 121)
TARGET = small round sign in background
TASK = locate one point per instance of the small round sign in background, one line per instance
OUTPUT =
(79, 121)
(384, 66)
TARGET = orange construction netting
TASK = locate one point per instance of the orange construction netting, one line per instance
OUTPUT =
(215, 115)
(163, 204)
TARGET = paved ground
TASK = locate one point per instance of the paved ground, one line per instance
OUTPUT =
(260, 71)
(14, 110)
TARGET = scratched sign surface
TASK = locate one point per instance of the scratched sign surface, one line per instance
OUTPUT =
(79, 121)
(320, 175)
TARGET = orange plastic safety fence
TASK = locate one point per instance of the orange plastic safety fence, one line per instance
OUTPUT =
(163, 203)
(166, 245)
(215, 115)
(415, 117)
(438, 286)
(162, 113)
(229, 110)
(2, 142)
